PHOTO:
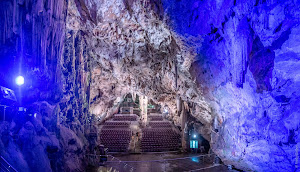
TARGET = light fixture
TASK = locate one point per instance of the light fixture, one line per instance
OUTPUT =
(194, 135)
(20, 80)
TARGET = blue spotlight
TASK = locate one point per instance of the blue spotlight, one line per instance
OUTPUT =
(194, 135)
(20, 80)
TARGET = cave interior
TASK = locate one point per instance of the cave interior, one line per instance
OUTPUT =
(149, 85)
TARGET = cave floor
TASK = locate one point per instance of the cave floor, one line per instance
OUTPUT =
(156, 162)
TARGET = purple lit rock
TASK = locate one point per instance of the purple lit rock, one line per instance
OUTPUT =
(249, 69)
(235, 62)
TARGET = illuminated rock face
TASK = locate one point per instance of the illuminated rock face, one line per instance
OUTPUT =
(130, 49)
(232, 62)
(82, 55)
(248, 65)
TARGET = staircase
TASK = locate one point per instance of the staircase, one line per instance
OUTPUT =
(5, 166)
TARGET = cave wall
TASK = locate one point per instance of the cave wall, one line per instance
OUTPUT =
(234, 63)
(78, 57)
(33, 41)
(248, 66)
(133, 50)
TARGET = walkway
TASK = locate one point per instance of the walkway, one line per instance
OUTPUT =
(162, 162)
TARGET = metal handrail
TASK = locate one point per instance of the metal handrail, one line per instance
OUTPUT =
(173, 159)
(6, 165)
(112, 158)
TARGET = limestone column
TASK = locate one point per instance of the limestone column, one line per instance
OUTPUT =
(183, 116)
(143, 106)
(131, 110)
(179, 105)
(133, 96)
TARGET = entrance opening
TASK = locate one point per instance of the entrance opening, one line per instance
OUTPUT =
(194, 144)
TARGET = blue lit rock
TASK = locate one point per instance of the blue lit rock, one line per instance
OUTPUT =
(248, 67)
(237, 61)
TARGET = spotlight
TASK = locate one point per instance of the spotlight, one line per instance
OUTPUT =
(194, 135)
(20, 80)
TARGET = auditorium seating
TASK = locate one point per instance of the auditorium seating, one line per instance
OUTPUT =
(115, 127)
(159, 139)
(116, 140)
(160, 124)
(116, 135)
(158, 136)
(156, 118)
(125, 118)
(113, 123)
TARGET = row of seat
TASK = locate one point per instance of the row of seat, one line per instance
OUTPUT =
(156, 118)
(121, 127)
(166, 139)
(160, 136)
(162, 145)
(154, 130)
(114, 123)
(160, 124)
(116, 135)
(124, 118)
(112, 131)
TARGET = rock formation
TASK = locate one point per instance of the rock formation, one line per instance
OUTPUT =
(233, 65)
(248, 66)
